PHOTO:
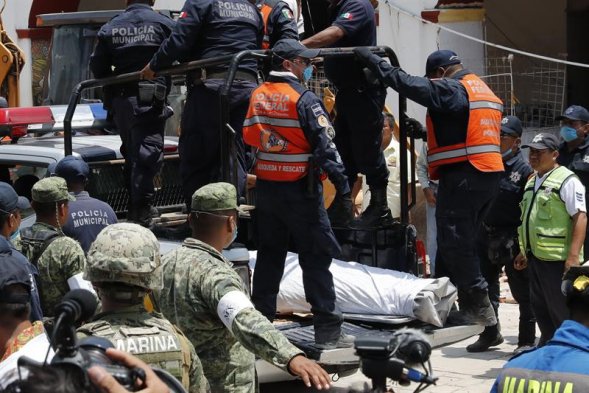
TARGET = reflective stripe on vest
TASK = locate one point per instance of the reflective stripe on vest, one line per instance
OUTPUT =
(481, 147)
(445, 155)
(271, 122)
(272, 126)
(546, 229)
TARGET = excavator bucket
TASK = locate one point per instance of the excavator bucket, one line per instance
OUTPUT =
(12, 61)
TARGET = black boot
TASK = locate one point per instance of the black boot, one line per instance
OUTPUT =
(140, 213)
(377, 214)
(341, 210)
(475, 308)
(491, 337)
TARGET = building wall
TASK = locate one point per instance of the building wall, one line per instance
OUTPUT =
(413, 40)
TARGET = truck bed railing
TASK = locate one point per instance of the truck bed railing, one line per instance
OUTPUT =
(227, 155)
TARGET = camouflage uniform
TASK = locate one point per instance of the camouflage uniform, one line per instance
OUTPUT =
(153, 339)
(62, 258)
(198, 280)
(129, 254)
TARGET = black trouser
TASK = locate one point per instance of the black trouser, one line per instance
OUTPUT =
(548, 302)
(282, 212)
(491, 270)
(200, 140)
(358, 134)
(519, 284)
(142, 135)
(464, 197)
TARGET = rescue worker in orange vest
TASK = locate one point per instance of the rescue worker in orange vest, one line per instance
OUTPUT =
(279, 22)
(288, 126)
(464, 122)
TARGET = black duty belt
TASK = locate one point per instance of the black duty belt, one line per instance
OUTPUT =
(204, 74)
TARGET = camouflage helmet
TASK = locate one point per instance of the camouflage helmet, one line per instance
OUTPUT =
(126, 253)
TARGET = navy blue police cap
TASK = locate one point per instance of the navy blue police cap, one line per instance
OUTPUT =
(441, 58)
(10, 200)
(543, 141)
(511, 125)
(290, 48)
(13, 271)
(72, 169)
(575, 112)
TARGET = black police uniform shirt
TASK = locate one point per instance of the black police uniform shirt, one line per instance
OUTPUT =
(505, 210)
(129, 40)
(281, 24)
(212, 28)
(577, 161)
(87, 217)
(6, 247)
(356, 18)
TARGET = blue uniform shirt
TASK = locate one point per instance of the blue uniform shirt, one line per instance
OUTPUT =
(356, 18)
(7, 247)
(212, 28)
(281, 24)
(129, 40)
(563, 360)
(87, 217)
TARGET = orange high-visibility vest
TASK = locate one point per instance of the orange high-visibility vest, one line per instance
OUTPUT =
(266, 10)
(272, 126)
(481, 147)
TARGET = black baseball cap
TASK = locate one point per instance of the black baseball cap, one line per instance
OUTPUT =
(543, 141)
(511, 125)
(13, 271)
(441, 58)
(10, 200)
(72, 169)
(575, 112)
(290, 48)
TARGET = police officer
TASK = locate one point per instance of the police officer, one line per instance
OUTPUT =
(560, 365)
(463, 123)
(87, 215)
(139, 112)
(288, 126)
(359, 105)
(206, 298)
(59, 259)
(207, 29)
(498, 244)
(552, 232)
(279, 22)
(10, 206)
(574, 151)
(124, 265)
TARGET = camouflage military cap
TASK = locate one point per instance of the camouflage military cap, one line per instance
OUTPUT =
(126, 253)
(214, 197)
(51, 189)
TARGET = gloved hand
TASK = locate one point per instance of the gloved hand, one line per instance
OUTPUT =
(341, 210)
(364, 55)
(415, 129)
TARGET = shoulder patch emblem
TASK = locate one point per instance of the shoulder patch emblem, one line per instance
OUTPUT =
(322, 120)
(317, 110)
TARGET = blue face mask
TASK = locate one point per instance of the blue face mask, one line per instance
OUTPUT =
(568, 133)
(307, 73)
(15, 234)
(233, 237)
(506, 154)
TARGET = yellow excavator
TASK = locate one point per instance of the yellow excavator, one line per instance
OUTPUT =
(12, 61)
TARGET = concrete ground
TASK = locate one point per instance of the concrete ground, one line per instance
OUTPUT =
(457, 370)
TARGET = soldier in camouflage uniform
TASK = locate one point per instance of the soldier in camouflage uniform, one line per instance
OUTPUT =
(59, 259)
(207, 299)
(124, 265)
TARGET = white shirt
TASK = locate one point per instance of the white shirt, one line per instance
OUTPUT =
(391, 156)
(572, 193)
